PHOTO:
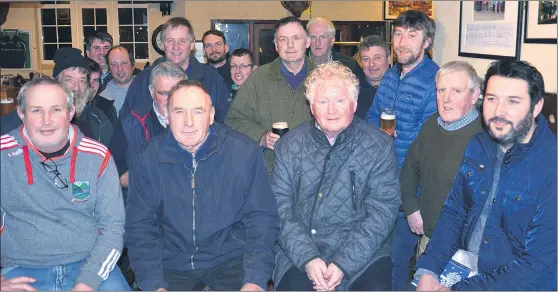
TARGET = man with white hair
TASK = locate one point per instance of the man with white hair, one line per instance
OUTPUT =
(434, 157)
(322, 39)
(336, 183)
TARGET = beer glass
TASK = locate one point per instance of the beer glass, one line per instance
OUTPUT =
(280, 128)
(387, 120)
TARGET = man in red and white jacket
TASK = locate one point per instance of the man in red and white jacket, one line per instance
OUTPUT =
(61, 201)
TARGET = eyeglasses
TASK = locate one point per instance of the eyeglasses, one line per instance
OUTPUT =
(241, 66)
(59, 180)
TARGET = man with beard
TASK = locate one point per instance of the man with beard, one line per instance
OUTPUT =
(502, 206)
(178, 41)
(215, 49)
(121, 64)
(275, 92)
(409, 89)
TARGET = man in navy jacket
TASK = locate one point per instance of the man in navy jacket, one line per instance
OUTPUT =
(502, 206)
(178, 38)
(201, 212)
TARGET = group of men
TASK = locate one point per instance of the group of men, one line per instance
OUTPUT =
(217, 201)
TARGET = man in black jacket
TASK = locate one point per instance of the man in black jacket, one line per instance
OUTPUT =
(336, 183)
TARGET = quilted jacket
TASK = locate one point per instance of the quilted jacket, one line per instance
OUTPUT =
(414, 100)
(518, 247)
(338, 203)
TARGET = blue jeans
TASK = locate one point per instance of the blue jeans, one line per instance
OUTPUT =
(402, 250)
(63, 277)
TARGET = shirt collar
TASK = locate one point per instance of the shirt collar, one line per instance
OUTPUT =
(464, 121)
(160, 117)
(286, 71)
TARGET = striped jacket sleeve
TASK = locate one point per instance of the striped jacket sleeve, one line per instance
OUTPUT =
(109, 213)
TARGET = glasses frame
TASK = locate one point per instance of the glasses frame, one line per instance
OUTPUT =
(59, 180)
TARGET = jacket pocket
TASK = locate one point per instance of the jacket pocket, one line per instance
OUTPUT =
(518, 208)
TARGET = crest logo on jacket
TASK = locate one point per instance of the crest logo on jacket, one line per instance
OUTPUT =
(80, 191)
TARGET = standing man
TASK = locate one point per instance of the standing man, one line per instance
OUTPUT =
(61, 204)
(374, 55)
(275, 92)
(241, 67)
(215, 49)
(194, 234)
(434, 157)
(502, 205)
(179, 40)
(322, 39)
(409, 88)
(96, 49)
(338, 204)
(121, 64)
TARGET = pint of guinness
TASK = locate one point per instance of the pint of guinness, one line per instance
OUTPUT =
(387, 121)
(280, 128)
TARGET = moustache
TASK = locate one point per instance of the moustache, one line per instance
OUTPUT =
(500, 120)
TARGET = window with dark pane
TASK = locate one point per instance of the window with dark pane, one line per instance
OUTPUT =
(49, 34)
(132, 27)
(126, 33)
(141, 51)
(48, 16)
(125, 16)
(65, 34)
(140, 33)
(48, 51)
(140, 15)
(88, 16)
(63, 16)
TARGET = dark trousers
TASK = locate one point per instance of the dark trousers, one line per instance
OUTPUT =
(403, 246)
(376, 278)
(227, 276)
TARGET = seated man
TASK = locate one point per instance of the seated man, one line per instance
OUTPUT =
(434, 157)
(62, 208)
(149, 120)
(336, 183)
(218, 230)
(502, 206)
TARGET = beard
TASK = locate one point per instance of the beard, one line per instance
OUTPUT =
(216, 60)
(81, 99)
(516, 134)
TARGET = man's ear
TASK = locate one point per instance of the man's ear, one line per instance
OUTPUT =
(72, 112)
(538, 108)
(20, 113)
(227, 48)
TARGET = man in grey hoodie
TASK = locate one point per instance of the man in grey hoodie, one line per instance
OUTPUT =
(60, 200)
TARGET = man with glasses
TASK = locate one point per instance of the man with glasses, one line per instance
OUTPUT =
(61, 202)
(241, 67)
(178, 39)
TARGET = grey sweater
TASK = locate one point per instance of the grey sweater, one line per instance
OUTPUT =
(45, 225)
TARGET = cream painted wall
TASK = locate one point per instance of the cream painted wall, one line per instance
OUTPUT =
(446, 44)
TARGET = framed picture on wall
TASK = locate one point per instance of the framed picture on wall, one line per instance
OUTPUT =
(490, 29)
(15, 49)
(540, 22)
(392, 9)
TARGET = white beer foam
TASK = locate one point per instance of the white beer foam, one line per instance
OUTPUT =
(385, 116)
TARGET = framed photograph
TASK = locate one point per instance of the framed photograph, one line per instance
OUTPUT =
(540, 22)
(392, 9)
(198, 52)
(15, 48)
(490, 29)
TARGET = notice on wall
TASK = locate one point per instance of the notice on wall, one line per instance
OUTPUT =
(15, 49)
(495, 35)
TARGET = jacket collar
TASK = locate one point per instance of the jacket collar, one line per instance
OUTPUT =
(275, 68)
(195, 70)
(417, 68)
(341, 138)
(172, 152)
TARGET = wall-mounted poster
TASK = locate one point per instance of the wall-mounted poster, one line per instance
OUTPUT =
(540, 22)
(15, 49)
(392, 9)
(490, 29)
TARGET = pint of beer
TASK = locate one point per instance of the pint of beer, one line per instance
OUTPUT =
(387, 121)
(280, 128)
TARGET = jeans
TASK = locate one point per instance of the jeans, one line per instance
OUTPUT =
(63, 277)
(376, 278)
(227, 276)
(402, 249)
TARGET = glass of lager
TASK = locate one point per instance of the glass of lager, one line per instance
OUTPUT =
(280, 128)
(387, 120)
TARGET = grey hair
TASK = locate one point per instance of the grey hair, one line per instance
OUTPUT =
(45, 80)
(80, 70)
(177, 22)
(321, 20)
(331, 72)
(373, 41)
(455, 66)
(167, 69)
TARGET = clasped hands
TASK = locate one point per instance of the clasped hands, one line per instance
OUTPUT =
(324, 277)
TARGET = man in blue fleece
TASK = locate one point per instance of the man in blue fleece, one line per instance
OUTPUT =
(409, 88)
(201, 212)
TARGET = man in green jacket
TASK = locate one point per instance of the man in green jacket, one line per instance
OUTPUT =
(275, 91)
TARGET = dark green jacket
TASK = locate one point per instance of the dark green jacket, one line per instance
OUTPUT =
(265, 98)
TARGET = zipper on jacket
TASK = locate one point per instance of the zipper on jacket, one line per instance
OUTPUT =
(195, 165)
(353, 194)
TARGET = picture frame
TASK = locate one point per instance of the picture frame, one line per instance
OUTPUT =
(392, 9)
(16, 49)
(539, 27)
(490, 31)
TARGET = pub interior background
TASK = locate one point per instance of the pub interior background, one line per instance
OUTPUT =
(53, 24)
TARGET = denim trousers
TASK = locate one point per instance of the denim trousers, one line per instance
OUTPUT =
(63, 277)
(402, 250)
